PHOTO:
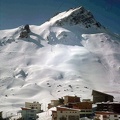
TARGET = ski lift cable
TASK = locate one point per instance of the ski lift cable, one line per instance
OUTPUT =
(60, 5)
(50, 22)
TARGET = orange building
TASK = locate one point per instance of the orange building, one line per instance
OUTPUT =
(83, 105)
(71, 99)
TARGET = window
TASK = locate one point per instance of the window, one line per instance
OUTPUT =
(104, 116)
(63, 118)
(72, 117)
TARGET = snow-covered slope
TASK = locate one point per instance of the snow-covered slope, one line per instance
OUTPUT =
(64, 56)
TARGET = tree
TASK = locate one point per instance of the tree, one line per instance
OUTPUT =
(61, 100)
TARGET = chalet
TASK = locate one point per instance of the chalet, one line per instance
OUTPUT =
(109, 106)
(101, 97)
(34, 105)
(29, 114)
(71, 99)
(106, 116)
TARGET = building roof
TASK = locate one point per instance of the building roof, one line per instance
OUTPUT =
(24, 108)
(54, 100)
(33, 102)
(69, 109)
(71, 96)
(101, 93)
(118, 103)
(53, 111)
(106, 113)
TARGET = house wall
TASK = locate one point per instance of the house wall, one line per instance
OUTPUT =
(34, 105)
(54, 103)
(113, 107)
(86, 113)
(83, 105)
(54, 115)
(69, 115)
(116, 108)
(108, 117)
(28, 114)
(71, 99)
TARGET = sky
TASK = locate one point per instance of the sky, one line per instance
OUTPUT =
(14, 13)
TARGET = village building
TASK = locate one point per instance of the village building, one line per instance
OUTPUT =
(107, 116)
(85, 109)
(34, 105)
(72, 111)
(29, 114)
(109, 106)
(54, 103)
(64, 113)
(71, 99)
(82, 105)
(101, 97)
(86, 100)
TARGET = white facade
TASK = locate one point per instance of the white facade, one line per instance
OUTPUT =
(34, 105)
(86, 113)
(54, 103)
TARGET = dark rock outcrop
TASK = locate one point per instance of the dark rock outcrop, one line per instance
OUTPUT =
(24, 34)
(27, 28)
(25, 31)
(79, 16)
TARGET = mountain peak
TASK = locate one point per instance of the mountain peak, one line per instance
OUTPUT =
(76, 16)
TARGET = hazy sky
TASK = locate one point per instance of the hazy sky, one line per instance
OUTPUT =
(14, 13)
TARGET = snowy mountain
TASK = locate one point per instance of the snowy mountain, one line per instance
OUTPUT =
(71, 54)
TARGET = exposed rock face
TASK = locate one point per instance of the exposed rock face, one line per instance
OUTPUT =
(25, 31)
(26, 27)
(79, 16)
(24, 34)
